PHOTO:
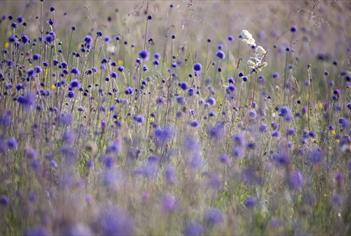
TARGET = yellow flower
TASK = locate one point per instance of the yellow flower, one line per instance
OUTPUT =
(7, 44)
(53, 87)
(120, 62)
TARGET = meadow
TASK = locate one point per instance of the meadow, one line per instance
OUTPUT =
(189, 117)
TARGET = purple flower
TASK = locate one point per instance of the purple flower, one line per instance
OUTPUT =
(193, 229)
(113, 147)
(217, 131)
(88, 39)
(250, 202)
(27, 100)
(197, 67)
(191, 144)
(75, 83)
(238, 152)
(286, 113)
(12, 143)
(75, 71)
(169, 203)
(281, 159)
(37, 231)
(115, 222)
(170, 174)
(213, 216)
(65, 118)
(295, 180)
(144, 54)
(164, 134)
(139, 119)
(6, 119)
(4, 200)
(315, 156)
(220, 54)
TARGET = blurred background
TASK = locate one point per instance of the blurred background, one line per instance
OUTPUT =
(324, 24)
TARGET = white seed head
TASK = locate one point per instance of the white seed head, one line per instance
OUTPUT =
(247, 38)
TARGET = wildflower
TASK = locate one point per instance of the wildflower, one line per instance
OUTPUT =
(68, 136)
(250, 202)
(164, 134)
(5, 119)
(75, 83)
(113, 147)
(170, 174)
(65, 118)
(213, 216)
(246, 37)
(193, 229)
(12, 143)
(107, 161)
(220, 54)
(27, 100)
(36, 57)
(25, 39)
(169, 202)
(315, 156)
(217, 131)
(295, 180)
(139, 119)
(75, 71)
(4, 200)
(286, 113)
(191, 143)
(144, 54)
(256, 63)
(197, 67)
(115, 222)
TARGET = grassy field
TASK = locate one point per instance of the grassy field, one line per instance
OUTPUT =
(187, 117)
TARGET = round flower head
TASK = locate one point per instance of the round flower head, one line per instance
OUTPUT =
(27, 100)
(295, 180)
(4, 200)
(36, 57)
(164, 134)
(88, 40)
(75, 83)
(250, 202)
(213, 216)
(75, 71)
(12, 143)
(220, 54)
(217, 131)
(197, 67)
(144, 54)
(315, 156)
(169, 203)
(25, 39)
(139, 119)
(113, 147)
(193, 229)
(115, 221)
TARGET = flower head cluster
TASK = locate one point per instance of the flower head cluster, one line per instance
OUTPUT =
(256, 62)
